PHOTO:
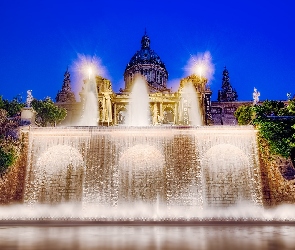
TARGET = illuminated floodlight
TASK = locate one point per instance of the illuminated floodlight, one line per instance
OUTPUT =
(89, 66)
(201, 65)
(200, 70)
(89, 72)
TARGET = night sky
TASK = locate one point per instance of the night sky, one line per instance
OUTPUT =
(253, 39)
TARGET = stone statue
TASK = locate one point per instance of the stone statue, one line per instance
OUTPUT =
(30, 98)
(256, 95)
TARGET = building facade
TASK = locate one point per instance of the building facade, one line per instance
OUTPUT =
(166, 107)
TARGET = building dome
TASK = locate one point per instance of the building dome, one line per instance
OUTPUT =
(145, 55)
(147, 63)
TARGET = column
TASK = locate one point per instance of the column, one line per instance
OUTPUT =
(175, 113)
(161, 111)
(155, 114)
(115, 114)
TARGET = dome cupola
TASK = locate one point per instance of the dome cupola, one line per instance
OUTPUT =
(147, 63)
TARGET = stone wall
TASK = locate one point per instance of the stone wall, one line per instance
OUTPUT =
(223, 112)
(277, 173)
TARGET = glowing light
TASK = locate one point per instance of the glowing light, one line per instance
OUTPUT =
(200, 69)
(88, 66)
(201, 65)
(89, 72)
(84, 68)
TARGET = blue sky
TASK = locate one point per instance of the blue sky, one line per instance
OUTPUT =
(253, 39)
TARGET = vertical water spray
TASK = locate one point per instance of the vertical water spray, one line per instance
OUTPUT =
(90, 106)
(138, 109)
(190, 106)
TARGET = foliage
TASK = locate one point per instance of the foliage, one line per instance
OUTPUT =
(7, 126)
(273, 125)
(291, 107)
(47, 112)
(279, 135)
(270, 108)
(9, 152)
(244, 114)
(278, 132)
(12, 107)
(10, 145)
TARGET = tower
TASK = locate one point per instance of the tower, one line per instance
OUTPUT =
(228, 93)
(66, 94)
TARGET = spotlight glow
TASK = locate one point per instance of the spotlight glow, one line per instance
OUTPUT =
(86, 67)
(201, 65)
(89, 72)
(200, 69)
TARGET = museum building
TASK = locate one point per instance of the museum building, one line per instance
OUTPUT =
(166, 107)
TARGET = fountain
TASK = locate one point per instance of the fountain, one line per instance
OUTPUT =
(138, 110)
(190, 103)
(141, 173)
(90, 104)
(117, 167)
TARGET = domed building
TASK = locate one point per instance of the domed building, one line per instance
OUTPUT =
(147, 63)
(165, 106)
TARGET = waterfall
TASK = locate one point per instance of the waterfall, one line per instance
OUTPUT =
(160, 166)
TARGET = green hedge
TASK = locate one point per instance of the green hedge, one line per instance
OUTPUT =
(7, 159)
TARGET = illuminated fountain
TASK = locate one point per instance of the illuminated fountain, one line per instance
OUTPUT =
(90, 104)
(142, 173)
(138, 109)
(190, 104)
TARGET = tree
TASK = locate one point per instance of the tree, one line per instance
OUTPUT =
(13, 107)
(291, 107)
(275, 122)
(275, 127)
(244, 114)
(48, 112)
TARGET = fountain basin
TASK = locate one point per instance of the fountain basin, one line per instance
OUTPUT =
(199, 167)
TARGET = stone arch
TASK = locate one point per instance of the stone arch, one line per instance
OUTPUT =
(58, 158)
(121, 115)
(58, 174)
(141, 171)
(168, 115)
(226, 176)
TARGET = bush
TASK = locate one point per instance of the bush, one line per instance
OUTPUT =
(13, 107)
(9, 152)
(273, 125)
(9, 146)
(48, 112)
(278, 132)
(244, 114)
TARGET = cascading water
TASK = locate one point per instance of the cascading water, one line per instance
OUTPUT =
(138, 108)
(143, 172)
